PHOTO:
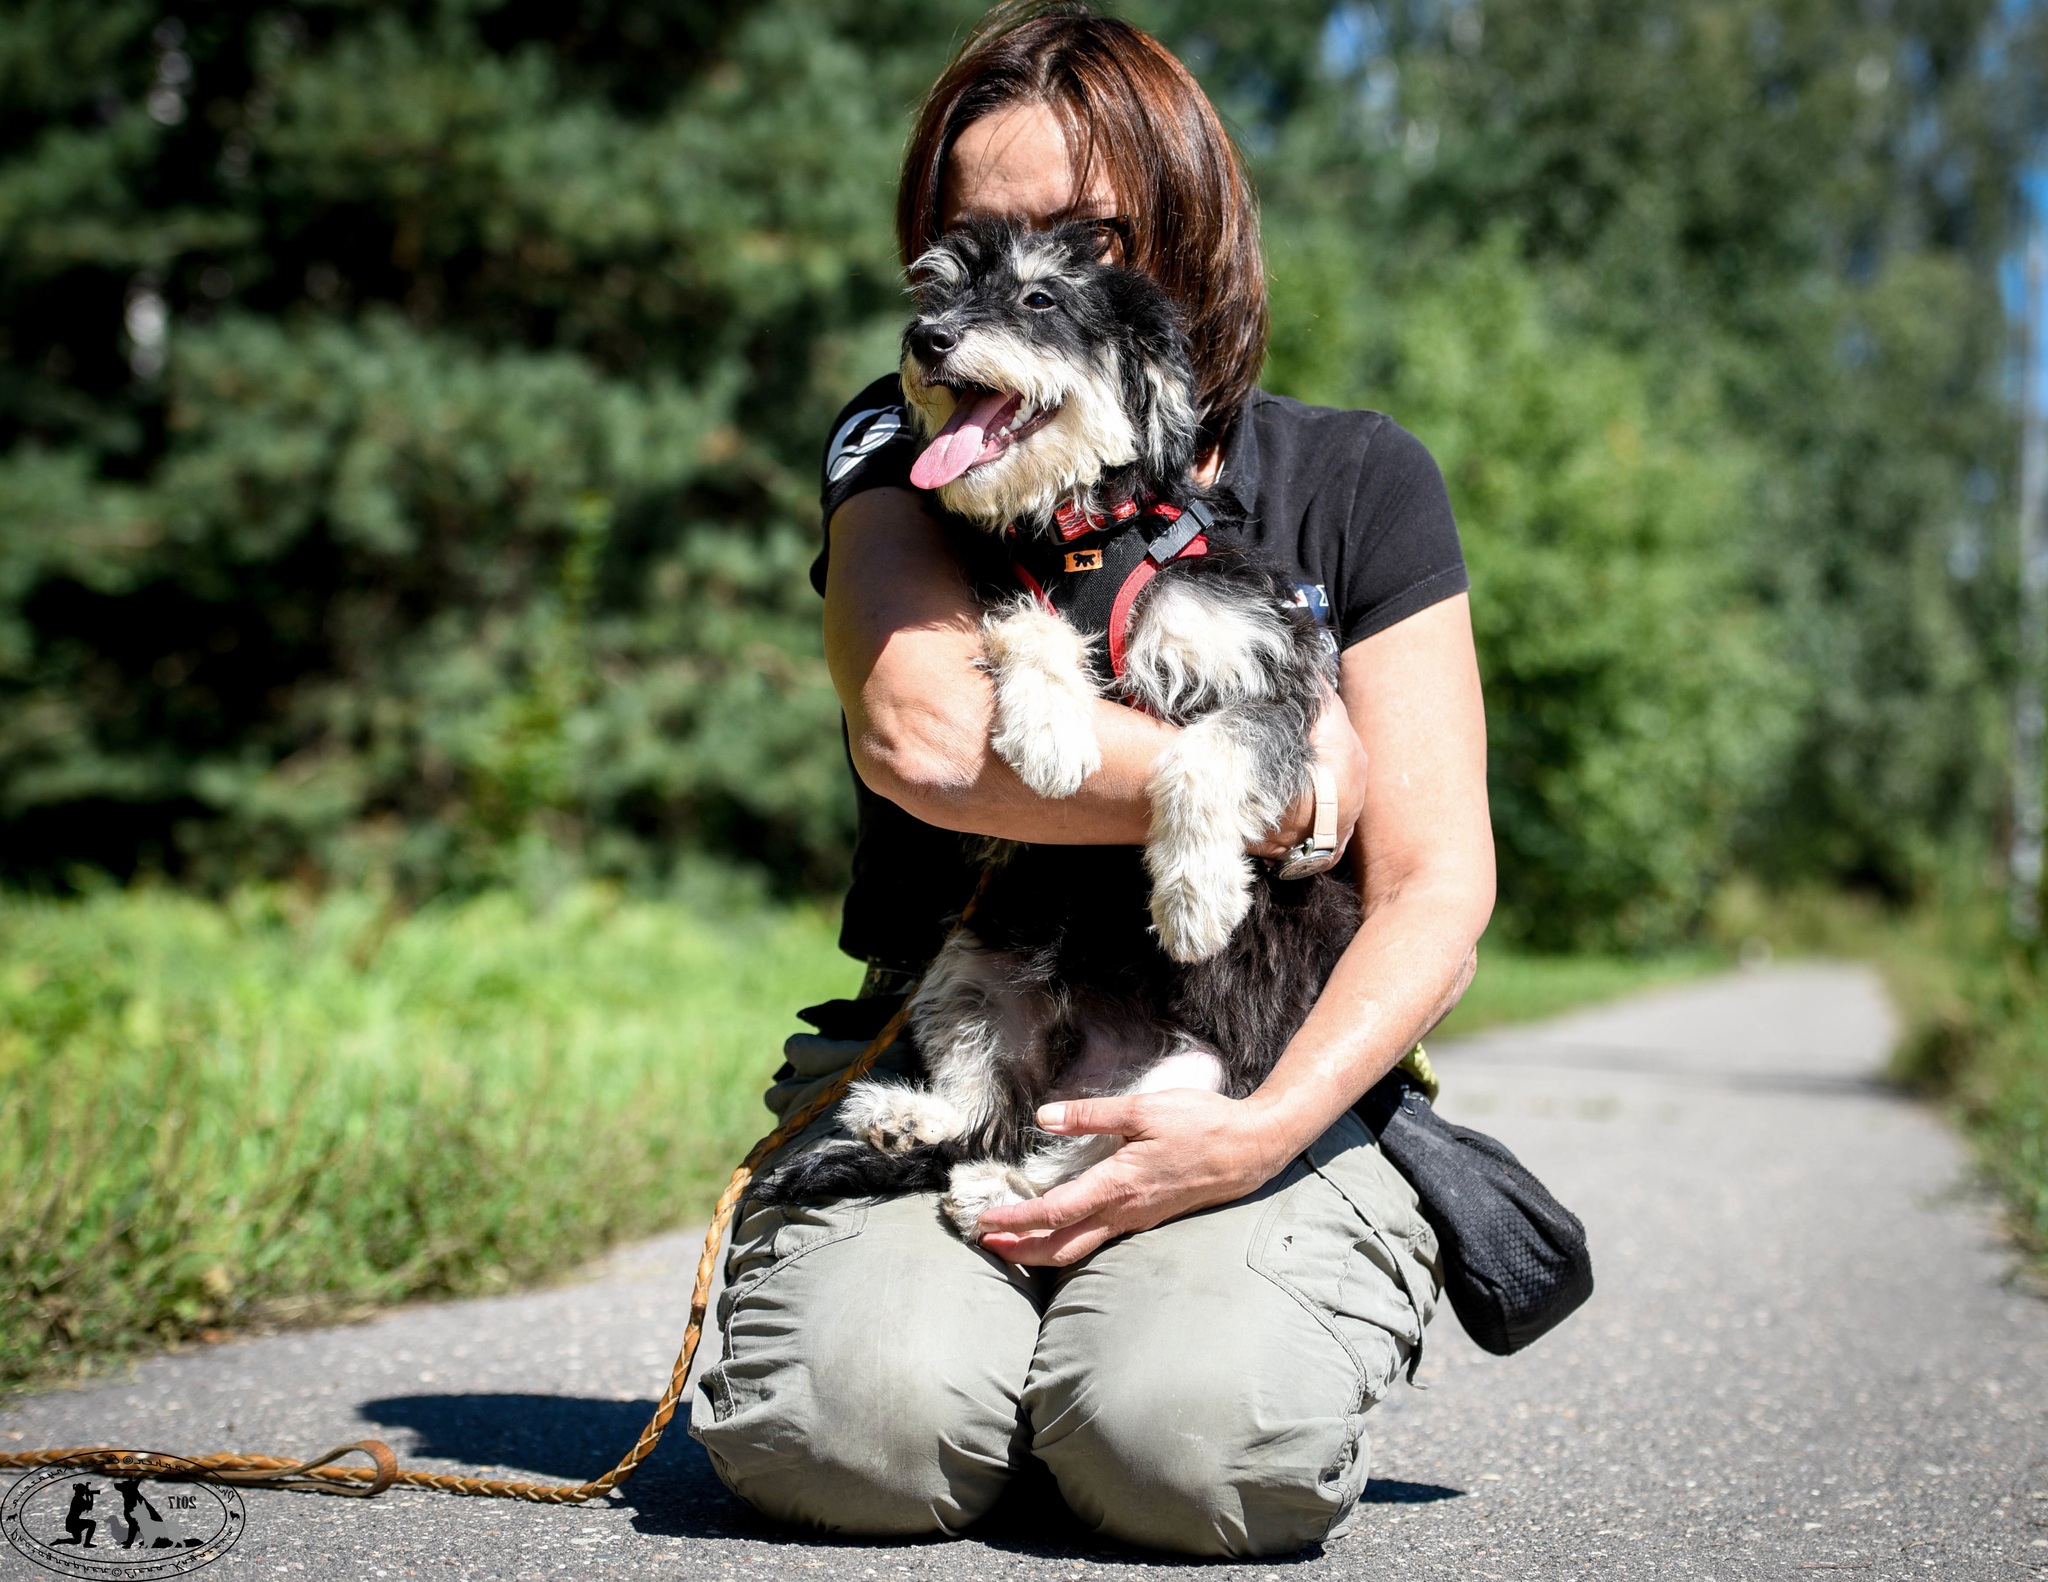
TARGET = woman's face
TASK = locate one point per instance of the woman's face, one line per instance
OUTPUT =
(1015, 165)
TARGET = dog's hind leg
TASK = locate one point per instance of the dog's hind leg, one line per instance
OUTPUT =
(977, 1186)
(981, 1021)
(896, 1117)
(1040, 668)
(978, 1029)
(844, 1169)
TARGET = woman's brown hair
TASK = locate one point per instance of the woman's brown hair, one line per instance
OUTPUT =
(1123, 100)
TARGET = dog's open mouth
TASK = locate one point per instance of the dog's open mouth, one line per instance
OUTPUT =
(984, 424)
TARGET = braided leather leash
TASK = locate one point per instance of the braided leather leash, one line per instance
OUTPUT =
(320, 1473)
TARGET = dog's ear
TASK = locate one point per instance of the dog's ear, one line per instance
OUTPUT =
(1158, 380)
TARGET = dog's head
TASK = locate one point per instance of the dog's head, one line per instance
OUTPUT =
(1040, 374)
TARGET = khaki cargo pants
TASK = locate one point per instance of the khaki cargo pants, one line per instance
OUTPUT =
(1199, 1387)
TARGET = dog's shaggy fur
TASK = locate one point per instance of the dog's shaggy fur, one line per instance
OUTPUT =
(1093, 970)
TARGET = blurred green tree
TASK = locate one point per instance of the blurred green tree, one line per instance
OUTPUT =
(408, 413)
(408, 426)
(1638, 698)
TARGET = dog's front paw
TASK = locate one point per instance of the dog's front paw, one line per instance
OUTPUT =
(1052, 753)
(1040, 668)
(896, 1119)
(975, 1188)
(1203, 803)
(1200, 893)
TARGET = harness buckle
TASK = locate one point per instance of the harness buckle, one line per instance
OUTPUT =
(1189, 523)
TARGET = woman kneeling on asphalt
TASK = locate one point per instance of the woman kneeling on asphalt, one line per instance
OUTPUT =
(1189, 1336)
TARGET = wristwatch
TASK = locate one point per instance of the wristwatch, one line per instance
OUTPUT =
(1319, 851)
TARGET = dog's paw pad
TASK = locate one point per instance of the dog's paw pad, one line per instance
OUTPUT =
(896, 1119)
(1195, 921)
(977, 1187)
(1194, 934)
(1053, 756)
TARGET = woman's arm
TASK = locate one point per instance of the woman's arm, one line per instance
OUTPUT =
(902, 637)
(1424, 846)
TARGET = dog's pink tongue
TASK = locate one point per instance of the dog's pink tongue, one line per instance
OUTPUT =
(965, 441)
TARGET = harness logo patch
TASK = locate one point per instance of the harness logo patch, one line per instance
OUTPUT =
(859, 437)
(1084, 560)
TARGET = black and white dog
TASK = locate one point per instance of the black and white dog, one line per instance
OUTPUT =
(1054, 391)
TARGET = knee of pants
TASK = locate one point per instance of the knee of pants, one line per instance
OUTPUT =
(1205, 1451)
(870, 1385)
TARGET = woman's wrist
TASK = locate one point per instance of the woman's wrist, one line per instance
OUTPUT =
(1278, 1127)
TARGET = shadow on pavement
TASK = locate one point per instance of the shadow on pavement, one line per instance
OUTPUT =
(563, 1438)
(1391, 1491)
(676, 1494)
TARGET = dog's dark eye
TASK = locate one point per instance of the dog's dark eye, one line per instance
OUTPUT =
(1039, 301)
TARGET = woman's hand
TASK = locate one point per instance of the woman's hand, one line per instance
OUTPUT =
(1336, 746)
(1185, 1150)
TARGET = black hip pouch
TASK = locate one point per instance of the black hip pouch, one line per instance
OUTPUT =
(1515, 1259)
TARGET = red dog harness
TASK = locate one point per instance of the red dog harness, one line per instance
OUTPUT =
(1095, 585)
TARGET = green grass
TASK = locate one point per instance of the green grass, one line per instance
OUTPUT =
(218, 1116)
(222, 1116)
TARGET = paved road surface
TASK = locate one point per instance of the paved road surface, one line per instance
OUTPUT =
(1806, 1357)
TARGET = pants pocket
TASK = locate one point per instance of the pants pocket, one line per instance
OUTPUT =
(768, 1240)
(1346, 1240)
(1348, 1158)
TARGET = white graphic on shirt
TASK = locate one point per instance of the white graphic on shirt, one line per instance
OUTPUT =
(1312, 597)
(861, 436)
(1315, 598)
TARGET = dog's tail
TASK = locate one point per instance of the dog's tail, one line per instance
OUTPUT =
(851, 1169)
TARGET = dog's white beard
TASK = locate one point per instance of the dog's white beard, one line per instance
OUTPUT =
(1090, 434)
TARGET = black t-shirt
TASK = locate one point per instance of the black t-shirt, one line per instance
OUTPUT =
(1348, 506)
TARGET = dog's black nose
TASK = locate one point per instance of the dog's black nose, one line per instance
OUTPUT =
(930, 342)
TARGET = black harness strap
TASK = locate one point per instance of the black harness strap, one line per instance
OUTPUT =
(1094, 578)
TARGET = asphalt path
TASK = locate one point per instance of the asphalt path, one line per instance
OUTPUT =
(1809, 1354)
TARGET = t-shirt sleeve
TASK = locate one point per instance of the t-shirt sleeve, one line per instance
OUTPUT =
(1401, 552)
(871, 446)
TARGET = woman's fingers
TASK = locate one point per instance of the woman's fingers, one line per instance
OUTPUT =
(1053, 1249)
(1090, 1193)
(1091, 1117)
(1185, 1149)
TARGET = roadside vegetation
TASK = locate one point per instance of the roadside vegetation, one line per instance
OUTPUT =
(1989, 1057)
(227, 1115)
(1978, 1042)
